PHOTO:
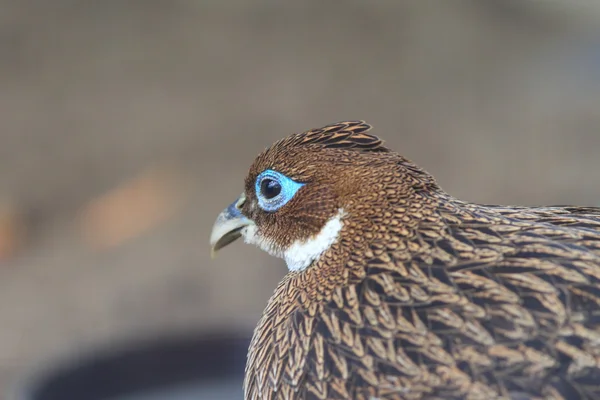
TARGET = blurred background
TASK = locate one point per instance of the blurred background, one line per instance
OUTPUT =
(126, 126)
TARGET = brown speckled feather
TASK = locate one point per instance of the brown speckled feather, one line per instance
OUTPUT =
(423, 296)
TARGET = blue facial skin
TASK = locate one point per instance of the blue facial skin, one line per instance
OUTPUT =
(288, 186)
(233, 211)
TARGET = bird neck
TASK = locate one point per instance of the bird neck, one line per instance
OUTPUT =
(368, 236)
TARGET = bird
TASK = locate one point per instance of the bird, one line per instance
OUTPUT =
(397, 290)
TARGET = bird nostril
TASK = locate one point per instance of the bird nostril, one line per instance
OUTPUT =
(240, 203)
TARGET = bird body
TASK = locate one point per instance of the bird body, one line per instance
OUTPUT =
(397, 290)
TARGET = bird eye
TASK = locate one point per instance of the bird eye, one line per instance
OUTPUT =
(269, 188)
(274, 190)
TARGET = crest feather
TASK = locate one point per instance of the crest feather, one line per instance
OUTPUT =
(346, 135)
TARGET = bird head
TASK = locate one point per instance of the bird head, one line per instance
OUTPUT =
(300, 192)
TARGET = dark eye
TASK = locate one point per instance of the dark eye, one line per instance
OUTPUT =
(270, 188)
(273, 190)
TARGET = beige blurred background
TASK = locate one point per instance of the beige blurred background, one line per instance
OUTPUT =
(126, 126)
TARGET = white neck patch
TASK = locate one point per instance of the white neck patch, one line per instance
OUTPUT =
(300, 254)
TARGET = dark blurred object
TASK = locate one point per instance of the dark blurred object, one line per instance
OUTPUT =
(141, 371)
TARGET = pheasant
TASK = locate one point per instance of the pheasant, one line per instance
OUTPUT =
(397, 290)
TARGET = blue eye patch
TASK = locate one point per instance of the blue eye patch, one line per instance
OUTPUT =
(274, 190)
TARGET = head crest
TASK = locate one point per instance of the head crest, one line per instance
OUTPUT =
(343, 135)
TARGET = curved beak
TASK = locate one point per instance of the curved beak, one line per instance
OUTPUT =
(228, 226)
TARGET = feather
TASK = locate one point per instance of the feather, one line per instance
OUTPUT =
(420, 295)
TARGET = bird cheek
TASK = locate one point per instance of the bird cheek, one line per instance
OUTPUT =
(249, 209)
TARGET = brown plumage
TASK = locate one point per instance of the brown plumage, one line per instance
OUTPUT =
(421, 295)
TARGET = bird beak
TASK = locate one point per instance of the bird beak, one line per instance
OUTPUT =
(228, 226)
